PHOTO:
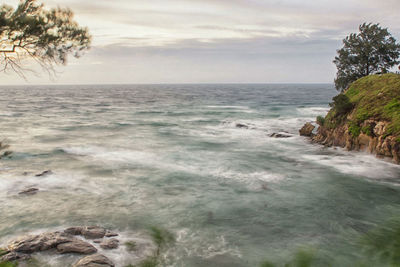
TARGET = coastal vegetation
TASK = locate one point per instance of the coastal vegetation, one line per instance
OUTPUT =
(32, 33)
(370, 51)
(364, 117)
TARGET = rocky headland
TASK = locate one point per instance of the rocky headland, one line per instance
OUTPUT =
(366, 117)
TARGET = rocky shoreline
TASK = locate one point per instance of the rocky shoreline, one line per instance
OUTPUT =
(375, 142)
(80, 240)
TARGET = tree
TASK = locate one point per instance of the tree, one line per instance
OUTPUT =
(372, 50)
(45, 36)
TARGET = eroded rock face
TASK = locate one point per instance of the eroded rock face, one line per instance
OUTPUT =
(374, 141)
(307, 129)
(96, 260)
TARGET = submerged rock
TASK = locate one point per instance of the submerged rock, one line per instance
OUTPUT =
(96, 260)
(44, 173)
(29, 191)
(110, 243)
(242, 126)
(280, 135)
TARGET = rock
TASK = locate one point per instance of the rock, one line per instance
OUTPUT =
(98, 241)
(96, 260)
(13, 256)
(77, 230)
(29, 191)
(34, 243)
(93, 232)
(110, 243)
(307, 129)
(110, 234)
(279, 135)
(76, 246)
(44, 173)
(242, 126)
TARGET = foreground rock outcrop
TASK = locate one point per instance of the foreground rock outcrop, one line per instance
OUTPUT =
(365, 118)
(63, 242)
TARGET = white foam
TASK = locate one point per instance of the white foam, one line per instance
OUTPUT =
(357, 163)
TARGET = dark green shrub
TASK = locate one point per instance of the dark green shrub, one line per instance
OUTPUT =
(320, 120)
(354, 129)
(342, 105)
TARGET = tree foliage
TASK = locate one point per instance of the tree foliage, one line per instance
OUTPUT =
(46, 36)
(372, 50)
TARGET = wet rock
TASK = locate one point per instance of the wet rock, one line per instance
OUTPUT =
(14, 256)
(242, 126)
(110, 243)
(110, 234)
(77, 230)
(96, 260)
(307, 129)
(29, 191)
(34, 243)
(93, 232)
(76, 246)
(280, 135)
(44, 173)
(98, 241)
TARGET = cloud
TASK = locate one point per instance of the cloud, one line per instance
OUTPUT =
(218, 40)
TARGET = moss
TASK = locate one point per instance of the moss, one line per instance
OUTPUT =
(321, 120)
(8, 264)
(354, 129)
(367, 130)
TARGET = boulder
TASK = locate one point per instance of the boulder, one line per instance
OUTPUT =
(14, 256)
(76, 246)
(29, 191)
(307, 129)
(93, 232)
(96, 260)
(110, 243)
(280, 135)
(34, 243)
(242, 126)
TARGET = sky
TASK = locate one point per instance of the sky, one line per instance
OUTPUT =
(213, 41)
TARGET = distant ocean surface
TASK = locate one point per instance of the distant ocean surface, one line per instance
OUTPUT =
(128, 157)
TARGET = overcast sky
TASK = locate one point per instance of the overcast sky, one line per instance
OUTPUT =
(214, 41)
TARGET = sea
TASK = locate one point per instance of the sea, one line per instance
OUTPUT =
(196, 160)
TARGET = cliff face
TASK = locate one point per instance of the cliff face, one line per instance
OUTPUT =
(365, 118)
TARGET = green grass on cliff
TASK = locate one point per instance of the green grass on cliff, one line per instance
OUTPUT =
(373, 97)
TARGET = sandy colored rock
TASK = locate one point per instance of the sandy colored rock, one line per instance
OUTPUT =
(307, 129)
(96, 260)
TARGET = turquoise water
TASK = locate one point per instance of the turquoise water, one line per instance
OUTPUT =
(132, 156)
